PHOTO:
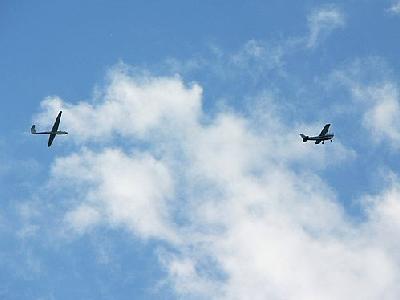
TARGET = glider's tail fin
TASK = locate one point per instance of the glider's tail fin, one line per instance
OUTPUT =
(33, 129)
(305, 138)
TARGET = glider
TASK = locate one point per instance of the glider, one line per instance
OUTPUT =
(54, 131)
(322, 137)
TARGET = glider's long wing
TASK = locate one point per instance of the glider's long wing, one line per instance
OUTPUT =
(51, 138)
(325, 130)
(57, 123)
(54, 129)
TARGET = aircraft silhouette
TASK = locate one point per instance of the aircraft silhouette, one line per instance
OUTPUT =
(322, 137)
(54, 130)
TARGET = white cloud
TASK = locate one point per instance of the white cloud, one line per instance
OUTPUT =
(147, 103)
(322, 22)
(119, 190)
(237, 197)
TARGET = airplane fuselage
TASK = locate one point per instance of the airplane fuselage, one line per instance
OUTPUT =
(320, 138)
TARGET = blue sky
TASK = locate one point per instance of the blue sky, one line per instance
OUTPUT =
(183, 159)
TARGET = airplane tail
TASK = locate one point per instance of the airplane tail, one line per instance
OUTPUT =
(305, 138)
(33, 129)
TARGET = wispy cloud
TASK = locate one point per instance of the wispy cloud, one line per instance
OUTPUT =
(377, 98)
(259, 58)
(250, 62)
(322, 22)
(394, 8)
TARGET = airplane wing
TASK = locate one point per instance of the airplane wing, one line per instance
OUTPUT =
(325, 130)
(54, 129)
(57, 123)
(51, 138)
